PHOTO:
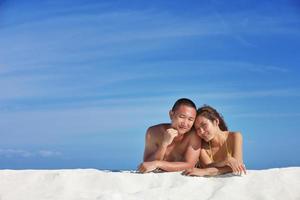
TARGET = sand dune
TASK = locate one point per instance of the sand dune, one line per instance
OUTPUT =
(90, 184)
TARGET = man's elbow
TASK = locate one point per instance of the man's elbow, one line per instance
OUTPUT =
(149, 158)
(146, 159)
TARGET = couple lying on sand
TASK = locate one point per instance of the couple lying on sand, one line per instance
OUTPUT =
(196, 142)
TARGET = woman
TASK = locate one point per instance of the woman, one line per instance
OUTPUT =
(221, 149)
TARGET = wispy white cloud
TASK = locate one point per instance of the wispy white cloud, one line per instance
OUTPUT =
(54, 126)
(250, 94)
(48, 153)
(139, 97)
(64, 84)
(218, 66)
(266, 115)
(84, 36)
(86, 70)
(15, 153)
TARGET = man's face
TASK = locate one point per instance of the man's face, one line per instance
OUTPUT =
(183, 118)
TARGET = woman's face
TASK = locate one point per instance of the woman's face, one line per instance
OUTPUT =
(205, 128)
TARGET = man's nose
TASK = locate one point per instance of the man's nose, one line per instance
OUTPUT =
(185, 122)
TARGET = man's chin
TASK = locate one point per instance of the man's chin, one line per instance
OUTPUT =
(182, 132)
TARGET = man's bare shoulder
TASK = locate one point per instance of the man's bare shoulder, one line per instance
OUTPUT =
(192, 134)
(157, 129)
(193, 139)
(155, 133)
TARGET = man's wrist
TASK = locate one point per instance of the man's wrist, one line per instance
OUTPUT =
(157, 163)
(164, 144)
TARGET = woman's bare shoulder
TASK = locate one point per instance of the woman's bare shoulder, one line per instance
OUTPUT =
(205, 145)
(235, 135)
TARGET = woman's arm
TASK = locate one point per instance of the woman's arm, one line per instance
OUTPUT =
(237, 152)
(232, 163)
(235, 162)
(210, 171)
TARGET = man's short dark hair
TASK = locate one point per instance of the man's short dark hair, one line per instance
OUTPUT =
(183, 101)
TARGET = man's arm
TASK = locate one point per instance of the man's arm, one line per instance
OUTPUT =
(190, 158)
(152, 150)
(157, 142)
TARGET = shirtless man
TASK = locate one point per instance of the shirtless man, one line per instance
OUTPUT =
(173, 146)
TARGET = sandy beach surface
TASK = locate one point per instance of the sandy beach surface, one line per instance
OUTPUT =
(91, 184)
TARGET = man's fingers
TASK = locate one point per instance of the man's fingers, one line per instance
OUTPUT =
(188, 172)
(172, 131)
(185, 172)
(141, 168)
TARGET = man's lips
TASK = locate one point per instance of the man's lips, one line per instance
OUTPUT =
(182, 127)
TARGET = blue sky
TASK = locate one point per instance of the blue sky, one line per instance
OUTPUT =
(81, 81)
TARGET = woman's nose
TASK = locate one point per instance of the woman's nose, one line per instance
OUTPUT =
(201, 130)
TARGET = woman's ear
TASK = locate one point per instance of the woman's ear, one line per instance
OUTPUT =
(216, 122)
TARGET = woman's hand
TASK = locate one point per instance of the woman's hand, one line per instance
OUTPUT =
(236, 166)
(195, 172)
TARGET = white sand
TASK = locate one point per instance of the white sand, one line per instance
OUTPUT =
(90, 184)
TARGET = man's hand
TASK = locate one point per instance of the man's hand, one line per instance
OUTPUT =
(146, 167)
(170, 134)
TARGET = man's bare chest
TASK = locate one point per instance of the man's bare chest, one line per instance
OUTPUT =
(176, 151)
